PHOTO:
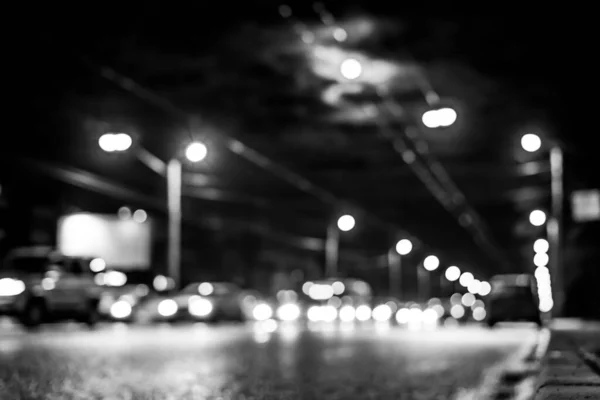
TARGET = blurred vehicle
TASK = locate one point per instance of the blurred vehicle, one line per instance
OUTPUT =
(385, 308)
(417, 316)
(512, 299)
(38, 284)
(286, 307)
(346, 299)
(122, 303)
(456, 309)
(207, 301)
(156, 307)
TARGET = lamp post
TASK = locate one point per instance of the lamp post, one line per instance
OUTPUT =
(402, 248)
(430, 264)
(531, 143)
(345, 223)
(172, 172)
(450, 277)
(439, 117)
(174, 183)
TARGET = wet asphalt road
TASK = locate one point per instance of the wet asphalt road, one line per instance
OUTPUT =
(248, 362)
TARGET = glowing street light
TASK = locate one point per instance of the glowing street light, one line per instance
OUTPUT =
(465, 279)
(394, 262)
(351, 68)
(537, 218)
(485, 288)
(340, 34)
(542, 273)
(439, 118)
(431, 263)
(403, 247)
(114, 142)
(468, 299)
(531, 142)
(346, 223)
(541, 246)
(452, 273)
(196, 152)
(474, 287)
(541, 259)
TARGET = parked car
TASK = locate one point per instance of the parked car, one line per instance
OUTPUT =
(122, 303)
(512, 299)
(208, 301)
(38, 284)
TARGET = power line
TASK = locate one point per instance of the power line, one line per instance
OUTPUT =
(428, 169)
(234, 145)
(238, 147)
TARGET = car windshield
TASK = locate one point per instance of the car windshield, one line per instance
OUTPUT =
(512, 291)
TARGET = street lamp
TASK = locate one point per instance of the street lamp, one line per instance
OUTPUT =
(465, 279)
(485, 288)
(115, 142)
(531, 142)
(439, 118)
(537, 218)
(448, 279)
(431, 263)
(351, 68)
(541, 246)
(196, 151)
(475, 286)
(452, 273)
(403, 247)
(345, 223)
(541, 259)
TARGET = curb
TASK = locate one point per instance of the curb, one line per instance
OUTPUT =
(568, 375)
(515, 377)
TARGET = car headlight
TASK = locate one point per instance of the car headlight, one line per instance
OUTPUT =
(363, 313)
(120, 309)
(347, 314)
(262, 312)
(403, 316)
(382, 313)
(430, 316)
(167, 308)
(199, 306)
(322, 313)
(288, 312)
(11, 287)
(329, 313)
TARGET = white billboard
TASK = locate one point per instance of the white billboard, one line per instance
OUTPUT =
(586, 205)
(121, 243)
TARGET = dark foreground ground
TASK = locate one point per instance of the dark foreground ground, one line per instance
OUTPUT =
(248, 362)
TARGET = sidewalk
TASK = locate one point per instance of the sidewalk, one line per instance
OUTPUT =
(570, 369)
